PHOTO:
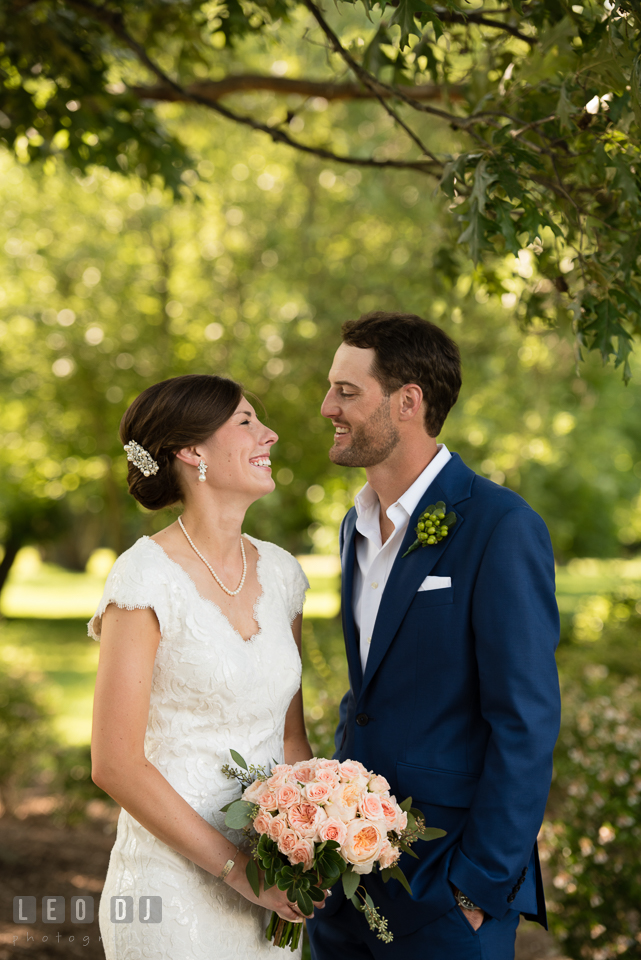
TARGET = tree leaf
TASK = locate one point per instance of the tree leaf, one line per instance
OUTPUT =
(453, 173)
(236, 757)
(253, 876)
(474, 235)
(351, 881)
(404, 17)
(483, 179)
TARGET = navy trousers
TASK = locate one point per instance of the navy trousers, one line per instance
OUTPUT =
(346, 936)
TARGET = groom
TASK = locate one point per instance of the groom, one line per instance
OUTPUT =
(453, 686)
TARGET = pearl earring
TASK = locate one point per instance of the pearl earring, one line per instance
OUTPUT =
(202, 470)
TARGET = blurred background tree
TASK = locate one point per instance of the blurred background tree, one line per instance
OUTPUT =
(526, 116)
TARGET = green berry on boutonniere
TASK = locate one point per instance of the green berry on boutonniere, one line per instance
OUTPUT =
(433, 526)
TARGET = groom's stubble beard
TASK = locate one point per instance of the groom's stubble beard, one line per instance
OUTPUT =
(371, 442)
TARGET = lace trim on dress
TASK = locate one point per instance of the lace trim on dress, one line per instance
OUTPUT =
(256, 606)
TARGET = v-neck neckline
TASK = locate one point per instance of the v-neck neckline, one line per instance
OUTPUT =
(257, 602)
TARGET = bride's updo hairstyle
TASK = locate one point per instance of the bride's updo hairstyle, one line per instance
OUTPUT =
(173, 414)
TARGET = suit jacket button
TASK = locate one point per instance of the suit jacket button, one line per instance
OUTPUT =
(523, 872)
(510, 899)
(362, 719)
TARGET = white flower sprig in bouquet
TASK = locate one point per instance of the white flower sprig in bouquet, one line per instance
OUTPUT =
(317, 821)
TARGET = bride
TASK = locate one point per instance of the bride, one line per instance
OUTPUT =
(200, 653)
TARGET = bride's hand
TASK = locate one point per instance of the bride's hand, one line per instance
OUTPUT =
(272, 899)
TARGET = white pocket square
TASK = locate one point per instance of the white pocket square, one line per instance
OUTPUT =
(435, 583)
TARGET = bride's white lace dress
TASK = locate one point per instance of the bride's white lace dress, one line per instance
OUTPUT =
(211, 691)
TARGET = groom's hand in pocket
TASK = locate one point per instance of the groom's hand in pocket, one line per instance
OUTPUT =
(474, 917)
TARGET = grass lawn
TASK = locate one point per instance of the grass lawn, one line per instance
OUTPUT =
(45, 634)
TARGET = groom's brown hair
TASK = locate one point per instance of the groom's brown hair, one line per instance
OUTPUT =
(409, 349)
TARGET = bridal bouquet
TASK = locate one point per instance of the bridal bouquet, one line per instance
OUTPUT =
(317, 821)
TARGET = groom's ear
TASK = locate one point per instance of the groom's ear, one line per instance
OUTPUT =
(410, 402)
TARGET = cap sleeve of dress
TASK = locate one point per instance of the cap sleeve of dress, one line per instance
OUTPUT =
(137, 581)
(295, 582)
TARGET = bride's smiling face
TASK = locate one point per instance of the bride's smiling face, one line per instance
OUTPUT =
(237, 455)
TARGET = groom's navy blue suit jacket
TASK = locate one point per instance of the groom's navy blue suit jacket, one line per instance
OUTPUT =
(459, 704)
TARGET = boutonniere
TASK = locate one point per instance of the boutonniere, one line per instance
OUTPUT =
(433, 526)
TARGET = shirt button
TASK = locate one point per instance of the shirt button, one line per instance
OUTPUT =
(369, 639)
(374, 585)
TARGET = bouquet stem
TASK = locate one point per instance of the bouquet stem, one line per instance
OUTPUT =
(282, 933)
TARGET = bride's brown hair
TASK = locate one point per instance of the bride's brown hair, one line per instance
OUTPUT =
(176, 413)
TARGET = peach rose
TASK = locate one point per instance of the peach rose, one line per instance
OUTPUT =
(362, 844)
(281, 768)
(278, 780)
(332, 829)
(304, 771)
(262, 822)
(288, 795)
(287, 841)
(332, 765)
(388, 855)
(317, 791)
(303, 853)
(277, 827)
(267, 800)
(350, 769)
(325, 775)
(378, 784)
(254, 790)
(344, 800)
(390, 812)
(305, 818)
(401, 823)
(371, 807)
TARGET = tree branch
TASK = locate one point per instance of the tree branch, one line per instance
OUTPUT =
(366, 78)
(451, 16)
(213, 90)
(115, 21)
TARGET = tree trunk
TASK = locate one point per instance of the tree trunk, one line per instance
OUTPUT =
(11, 547)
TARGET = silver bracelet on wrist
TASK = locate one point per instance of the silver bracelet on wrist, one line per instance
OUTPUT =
(227, 869)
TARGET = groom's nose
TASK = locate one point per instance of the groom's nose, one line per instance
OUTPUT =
(329, 407)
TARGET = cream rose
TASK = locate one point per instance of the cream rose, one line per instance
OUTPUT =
(305, 818)
(254, 790)
(288, 795)
(378, 784)
(371, 807)
(344, 801)
(332, 829)
(362, 843)
(333, 765)
(317, 791)
(262, 822)
(303, 853)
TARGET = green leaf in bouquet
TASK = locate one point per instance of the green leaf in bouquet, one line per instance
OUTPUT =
(291, 894)
(253, 876)
(236, 757)
(408, 850)
(316, 894)
(239, 815)
(411, 820)
(329, 870)
(320, 848)
(369, 902)
(269, 879)
(432, 833)
(304, 902)
(351, 881)
(386, 874)
(398, 874)
(227, 806)
(406, 805)
(449, 519)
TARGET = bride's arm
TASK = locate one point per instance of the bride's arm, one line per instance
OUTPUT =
(129, 642)
(296, 743)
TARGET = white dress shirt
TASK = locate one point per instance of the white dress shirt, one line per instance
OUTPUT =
(374, 559)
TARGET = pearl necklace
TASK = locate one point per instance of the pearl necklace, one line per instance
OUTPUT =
(231, 593)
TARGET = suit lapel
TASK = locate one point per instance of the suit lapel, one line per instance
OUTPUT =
(452, 485)
(348, 559)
